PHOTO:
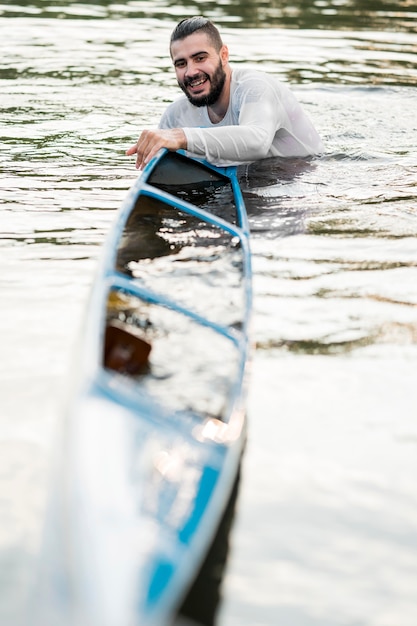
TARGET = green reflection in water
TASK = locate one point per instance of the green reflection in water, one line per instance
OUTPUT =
(311, 346)
(391, 332)
(320, 14)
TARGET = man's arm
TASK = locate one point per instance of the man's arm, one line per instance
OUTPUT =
(150, 141)
(256, 112)
(262, 111)
(248, 141)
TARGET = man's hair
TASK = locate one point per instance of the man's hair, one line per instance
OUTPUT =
(190, 25)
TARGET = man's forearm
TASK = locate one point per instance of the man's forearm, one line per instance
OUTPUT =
(239, 144)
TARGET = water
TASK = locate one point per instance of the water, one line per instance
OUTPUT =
(327, 516)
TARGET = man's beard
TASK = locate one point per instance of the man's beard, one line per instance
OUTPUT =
(216, 86)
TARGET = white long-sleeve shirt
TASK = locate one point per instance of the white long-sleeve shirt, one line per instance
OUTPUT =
(264, 119)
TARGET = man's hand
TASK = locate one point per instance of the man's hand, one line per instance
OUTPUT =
(150, 141)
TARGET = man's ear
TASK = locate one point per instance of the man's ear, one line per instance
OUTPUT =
(224, 54)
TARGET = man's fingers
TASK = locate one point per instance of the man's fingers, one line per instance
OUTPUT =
(150, 141)
(141, 149)
(132, 150)
(148, 145)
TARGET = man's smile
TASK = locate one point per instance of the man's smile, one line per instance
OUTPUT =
(196, 82)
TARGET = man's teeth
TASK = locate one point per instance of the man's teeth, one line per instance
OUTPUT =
(196, 83)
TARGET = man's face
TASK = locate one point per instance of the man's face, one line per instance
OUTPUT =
(199, 68)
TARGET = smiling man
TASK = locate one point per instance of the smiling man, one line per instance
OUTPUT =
(227, 116)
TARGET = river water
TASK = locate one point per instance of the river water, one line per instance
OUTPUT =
(326, 526)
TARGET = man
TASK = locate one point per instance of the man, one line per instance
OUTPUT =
(227, 116)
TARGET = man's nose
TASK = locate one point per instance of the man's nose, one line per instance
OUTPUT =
(190, 70)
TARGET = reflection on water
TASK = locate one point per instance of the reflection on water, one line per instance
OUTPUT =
(328, 14)
(88, 52)
(326, 521)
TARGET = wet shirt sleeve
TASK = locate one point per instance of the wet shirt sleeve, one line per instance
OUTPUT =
(259, 115)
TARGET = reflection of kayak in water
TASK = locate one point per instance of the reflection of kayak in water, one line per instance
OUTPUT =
(156, 425)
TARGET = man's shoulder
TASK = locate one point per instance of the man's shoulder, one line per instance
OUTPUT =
(243, 74)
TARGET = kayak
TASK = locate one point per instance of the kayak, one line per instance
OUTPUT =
(155, 425)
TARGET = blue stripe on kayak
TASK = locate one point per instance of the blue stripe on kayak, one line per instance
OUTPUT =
(165, 569)
(160, 580)
(207, 484)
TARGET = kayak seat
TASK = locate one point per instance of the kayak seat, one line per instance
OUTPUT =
(124, 352)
